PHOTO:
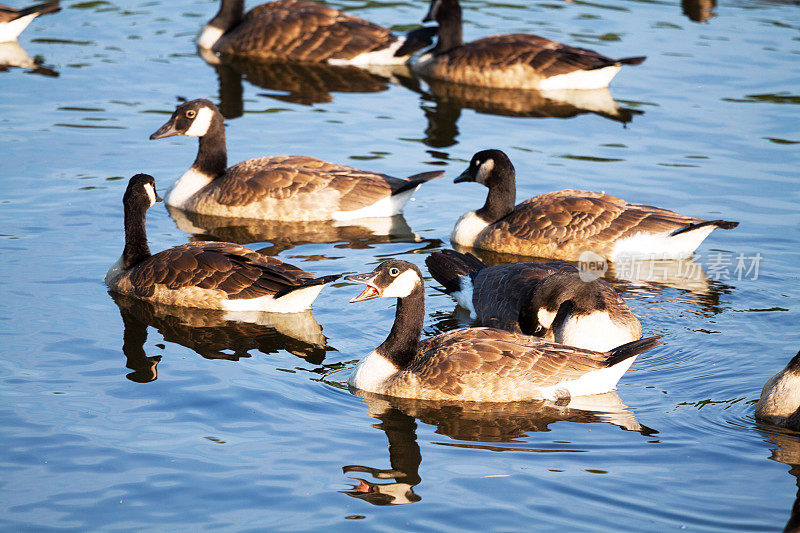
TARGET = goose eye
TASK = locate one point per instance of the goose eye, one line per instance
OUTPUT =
(191, 113)
(393, 272)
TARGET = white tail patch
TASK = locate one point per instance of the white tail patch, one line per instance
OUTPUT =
(467, 229)
(9, 31)
(595, 331)
(596, 382)
(581, 79)
(186, 187)
(384, 56)
(385, 207)
(661, 245)
(296, 301)
(372, 372)
(463, 296)
(209, 37)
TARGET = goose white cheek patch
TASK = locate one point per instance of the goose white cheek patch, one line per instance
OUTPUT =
(201, 123)
(484, 170)
(150, 193)
(403, 285)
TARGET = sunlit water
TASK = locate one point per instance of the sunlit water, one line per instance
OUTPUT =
(127, 416)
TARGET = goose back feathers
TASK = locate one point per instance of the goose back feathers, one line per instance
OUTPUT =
(213, 275)
(563, 224)
(299, 30)
(548, 300)
(286, 188)
(518, 61)
(14, 21)
(476, 364)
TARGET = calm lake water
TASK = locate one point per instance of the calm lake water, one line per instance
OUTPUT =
(116, 415)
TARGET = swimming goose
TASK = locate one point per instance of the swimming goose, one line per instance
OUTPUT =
(563, 224)
(518, 61)
(211, 275)
(299, 30)
(475, 364)
(13, 21)
(548, 300)
(286, 187)
(779, 404)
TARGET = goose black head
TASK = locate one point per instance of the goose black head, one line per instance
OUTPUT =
(556, 299)
(194, 119)
(440, 8)
(391, 279)
(141, 191)
(486, 168)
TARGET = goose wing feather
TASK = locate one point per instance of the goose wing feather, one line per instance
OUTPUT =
(237, 271)
(303, 31)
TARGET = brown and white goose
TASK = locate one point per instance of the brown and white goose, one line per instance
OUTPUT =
(14, 21)
(548, 300)
(563, 224)
(779, 404)
(518, 61)
(475, 364)
(300, 30)
(286, 187)
(211, 275)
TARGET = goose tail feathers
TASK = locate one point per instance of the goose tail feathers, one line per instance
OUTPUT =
(631, 60)
(722, 224)
(448, 266)
(412, 182)
(40, 9)
(631, 349)
(324, 280)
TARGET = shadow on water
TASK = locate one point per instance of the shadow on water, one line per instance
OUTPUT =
(488, 425)
(449, 99)
(214, 334)
(357, 234)
(787, 451)
(13, 55)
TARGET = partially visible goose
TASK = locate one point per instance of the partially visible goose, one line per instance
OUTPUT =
(299, 30)
(563, 224)
(14, 21)
(286, 187)
(779, 404)
(476, 364)
(211, 275)
(549, 300)
(518, 61)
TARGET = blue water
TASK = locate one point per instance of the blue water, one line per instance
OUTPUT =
(118, 417)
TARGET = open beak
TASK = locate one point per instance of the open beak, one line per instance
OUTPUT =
(370, 292)
(464, 176)
(167, 130)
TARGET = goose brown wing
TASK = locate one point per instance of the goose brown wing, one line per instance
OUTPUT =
(239, 272)
(582, 215)
(547, 57)
(304, 31)
(452, 361)
(287, 177)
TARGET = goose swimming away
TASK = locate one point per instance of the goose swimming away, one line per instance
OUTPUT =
(779, 404)
(515, 61)
(564, 224)
(300, 30)
(475, 364)
(286, 187)
(548, 300)
(211, 275)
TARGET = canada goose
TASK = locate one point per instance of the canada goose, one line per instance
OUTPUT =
(211, 275)
(475, 364)
(13, 21)
(299, 30)
(517, 61)
(287, 187)
(779, 404)
(549, 300)
(563, 224)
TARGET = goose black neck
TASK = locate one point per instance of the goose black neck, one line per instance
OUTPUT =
(400, 347)
(450, 27)
(230, 14)
(212, 155)
(136, 249)
(502, 195)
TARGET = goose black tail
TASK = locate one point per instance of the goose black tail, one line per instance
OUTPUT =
(412, 182)
(631, 60)
(417, 40)
(722, 224)
(448, 265)
(40, 9)
(631, 349)
(324, 280)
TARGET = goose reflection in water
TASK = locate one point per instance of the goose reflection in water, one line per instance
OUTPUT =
(487, 425)
(297, 83)
(13, 55)
(787, 451)
(358, 233)
(699, 10)
(215, 334)
(450, 99)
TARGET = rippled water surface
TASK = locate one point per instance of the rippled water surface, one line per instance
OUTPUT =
(118, 415)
